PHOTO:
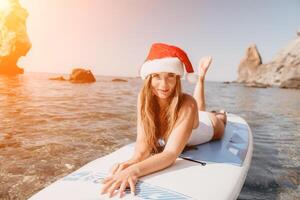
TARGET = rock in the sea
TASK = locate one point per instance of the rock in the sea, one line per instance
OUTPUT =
(249, 64)
(257, 85)
(283, 71)
(14, 41)
(118, 80)
(59, 78)
(291, 83)
(80, 75)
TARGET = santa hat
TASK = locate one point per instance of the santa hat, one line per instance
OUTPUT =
(166, 58)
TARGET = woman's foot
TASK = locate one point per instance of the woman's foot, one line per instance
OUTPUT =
(204, 64)
(225, 116)
(222, 115)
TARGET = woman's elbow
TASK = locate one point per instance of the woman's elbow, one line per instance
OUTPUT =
(171, 157)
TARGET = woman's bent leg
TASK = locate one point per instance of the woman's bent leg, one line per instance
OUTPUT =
(204, 64)
(218, 126)
(222, 116)
(199, 94)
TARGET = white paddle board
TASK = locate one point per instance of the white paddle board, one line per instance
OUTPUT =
(213, 171)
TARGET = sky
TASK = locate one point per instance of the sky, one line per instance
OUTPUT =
(113, 37)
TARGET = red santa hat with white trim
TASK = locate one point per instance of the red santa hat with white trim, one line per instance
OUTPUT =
(166, 58)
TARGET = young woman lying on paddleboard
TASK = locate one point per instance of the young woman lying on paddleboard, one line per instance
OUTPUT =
(167, 119)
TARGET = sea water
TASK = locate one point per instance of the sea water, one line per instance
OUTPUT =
(50, 128)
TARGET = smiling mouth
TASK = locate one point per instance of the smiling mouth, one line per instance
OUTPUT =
(163, 91)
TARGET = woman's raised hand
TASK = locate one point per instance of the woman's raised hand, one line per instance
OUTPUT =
(204, 64)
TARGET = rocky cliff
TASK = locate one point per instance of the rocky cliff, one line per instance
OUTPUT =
(14, 41)
(282, 71)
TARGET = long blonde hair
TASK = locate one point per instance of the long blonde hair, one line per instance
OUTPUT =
(150, 112)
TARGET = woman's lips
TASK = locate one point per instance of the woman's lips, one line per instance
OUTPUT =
(163, 91)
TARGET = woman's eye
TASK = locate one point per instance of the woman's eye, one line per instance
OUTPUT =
(171, 76)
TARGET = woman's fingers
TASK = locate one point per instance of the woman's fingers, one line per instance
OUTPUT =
(106, 179)
(118, 167)
(114, 168)
(209, 60)
(132, 185)
(106, 186)
(121, 167)
(113, 188)
(122, 188)
(205, 61)
(204, 64)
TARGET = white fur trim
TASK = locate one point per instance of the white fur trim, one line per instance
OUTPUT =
(170, 64)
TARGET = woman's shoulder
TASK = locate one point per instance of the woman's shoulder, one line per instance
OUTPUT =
(189, 99)
(188, 102)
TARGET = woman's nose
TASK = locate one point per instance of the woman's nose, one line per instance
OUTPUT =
(164, 82)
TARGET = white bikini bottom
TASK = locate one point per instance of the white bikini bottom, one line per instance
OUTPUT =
(204, 132)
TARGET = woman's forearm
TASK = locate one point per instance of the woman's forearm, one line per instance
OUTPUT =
(141, 152)
(140, 156)
(154, 163)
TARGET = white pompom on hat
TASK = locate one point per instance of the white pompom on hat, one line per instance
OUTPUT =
(166, 58)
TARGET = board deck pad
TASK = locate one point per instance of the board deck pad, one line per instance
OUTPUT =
(231, 149)
(143, 190)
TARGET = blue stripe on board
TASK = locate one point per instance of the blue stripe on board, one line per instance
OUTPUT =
(143, 190)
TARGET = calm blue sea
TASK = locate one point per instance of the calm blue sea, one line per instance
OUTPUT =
(50, 128)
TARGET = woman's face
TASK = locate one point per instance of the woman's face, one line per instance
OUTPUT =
(163, 84)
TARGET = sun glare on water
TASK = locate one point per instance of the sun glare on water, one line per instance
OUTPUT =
(4, 5)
